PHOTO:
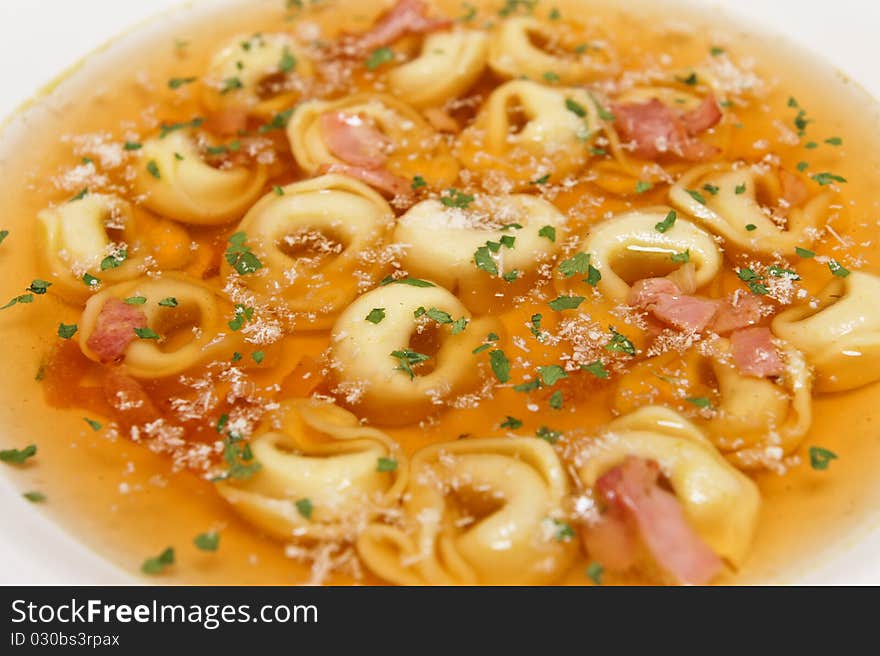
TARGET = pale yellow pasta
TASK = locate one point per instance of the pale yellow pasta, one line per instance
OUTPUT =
(316, 452)
(81, 234)
(736, 205)
(449, 64)
(192, 331)
(527, 131)
(759, 421)
(839, 334)
(318, 242)
(477, 511)
(516, 51)
(175, 182)
(377, 384)
(261, 73)
(629, 247)
(721, 503)
(462, 231)
(414, 148)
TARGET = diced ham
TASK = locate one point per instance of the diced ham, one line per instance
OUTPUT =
(114, 330)
(612, 541)
(655, 129)
(663, 299)
(229, 121)
(633, 490)
(380, 179)
(702, 118)
(684, 312)
(737, 311)
(353, 140)
(406, 17)
(754, 353)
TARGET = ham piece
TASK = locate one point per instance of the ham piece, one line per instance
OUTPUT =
(114, 330)
(640, 510)
(353, 140)
(663, 299)
(655, 129)
(754, 353)
(405, 18)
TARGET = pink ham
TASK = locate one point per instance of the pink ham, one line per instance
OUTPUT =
(114, 330)
(754, 353)
(353, 140)
(632, 489)
(380, 179)
(406, 17)
(612, 541)
(655, 129)
(735, 312)
(662, 298)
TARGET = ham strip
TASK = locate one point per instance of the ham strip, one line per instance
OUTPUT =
(114, 330)
(380, 179)
(655, 129)
(735, 312)
(632, 490)
(404, 18)
(663, 299)
(353, 140)
(754, 353)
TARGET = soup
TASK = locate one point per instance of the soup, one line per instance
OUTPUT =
(502, 293)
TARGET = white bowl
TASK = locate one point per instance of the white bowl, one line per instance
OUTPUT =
(39, 552)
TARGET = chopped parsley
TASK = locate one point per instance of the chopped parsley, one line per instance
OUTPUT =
(753, 281)
(114, 260)
(135, 300)
(566, 303)
(157, 564)
(288, 61)
(90, 280)
(376, 315)
(681, 258)
(642, 186)
(407, 358)
(82, 194)
(564, 532)
(153, 169)
(24, 298)
(456, 198)
(132, 145)
(146, 333)
(34, 497)
(209, 541)
(548, 434)
(699, 401)
(166, 129)
(575, 108)
(412, 282)
(169, 301)
(551, 77)
(18, 456)
(666, 223)
(386, 465)
(231, 84)
(240, 256)
(544, 179)
(418, 182)
(177, 82)
(577, 264)
(716, 51)
(751, 226)
(820, 458)
(595, 570)
(596, 368)
(3, 235)
(379, 57)
(551, 374)
(834, 141)
(696, 195)
(500, 365)
(279, 121)
(258, 356)
(838, 269)
(243, 314)
(548, 232)
(484, 260)
(827, 178)
(66, 331)
(511, 422)
(305, 508)
(804, 253)
(620, 343)
(740, 189)
(556, 400)
(94, 425)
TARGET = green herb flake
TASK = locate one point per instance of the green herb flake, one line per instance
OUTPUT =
(66, 331)
(511, 422)
(595, 571)
(166, 129)
(132, 145)
(827, 178)
(597, 369)
(699, 401)
(834, 141)
(18, 456)
(94, 425)
(456, 198)
(146, 333)
(642, 186)
(544, 179)
(153, 169)
(376, 315)
(483, 260)
(209, 541)
(385, 465)
(379, 57)
(177, 82)
(548, 232)
(750, 227)
(500, 365)
(821, 458)
(158, 564)
(666, 223)
(288, 61)
(564, 532)
(561, 303)
(551, 374)
(115, 260)
(837, 269)
(34, 496)
(681, 258)
(418, 182)
(279, 121)
(740, 189)
(556, 400)
(90, 280)
(620, 344)
(716, 51)
(231, 84)
(578, 263)
(548, 434)
(697, 196)
(412, 282)
(23, 299)
(407, 358)
(240, 256)
(305, 508)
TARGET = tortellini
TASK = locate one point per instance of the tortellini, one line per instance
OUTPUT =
(510, 224)
(758, 421)
(527, 131)
(263, 74)
(187, 316)
(316, 453)
(175, 182)
(318, 241)
(81, 235)
(477, 511)
(379, 344)
(449, 64)
(722, 503)
(410, 145)
(736, 202)
(839, 335)
(518, 49)
(630, 247)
